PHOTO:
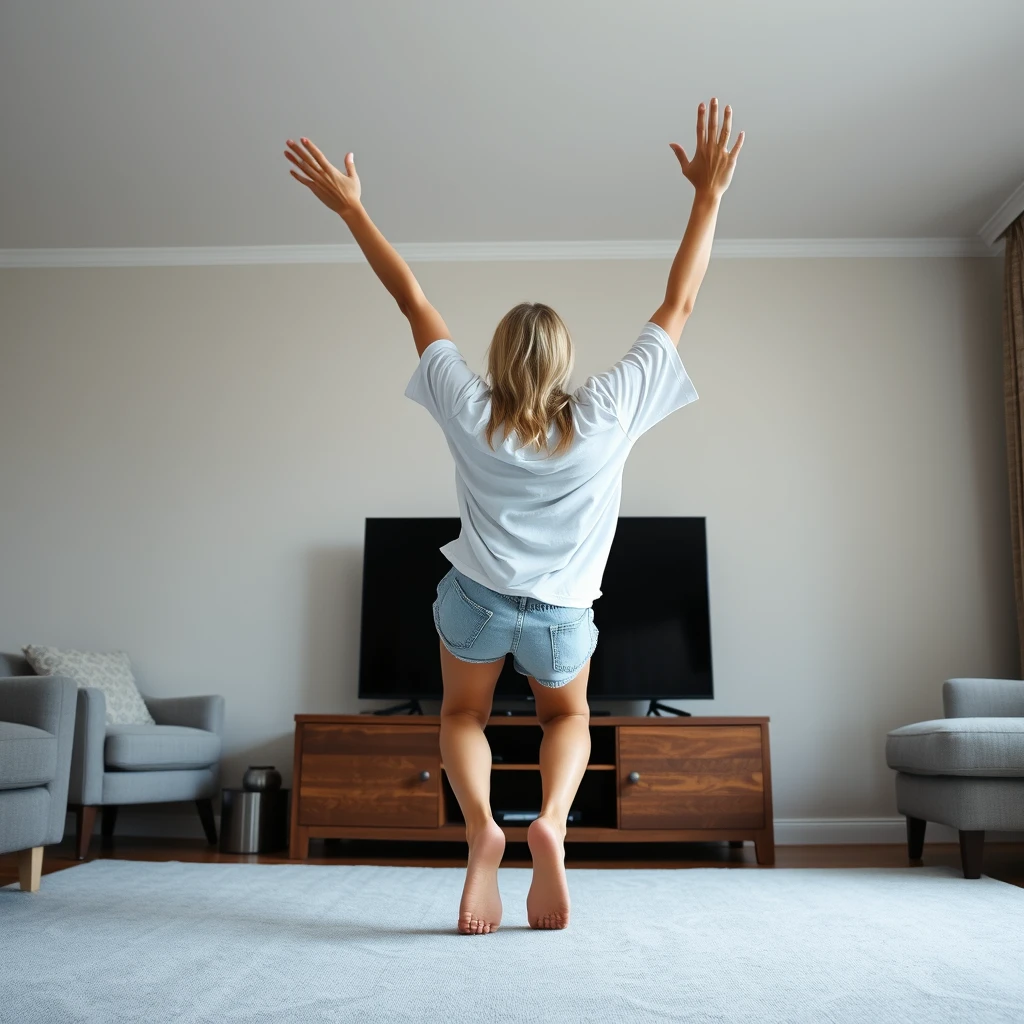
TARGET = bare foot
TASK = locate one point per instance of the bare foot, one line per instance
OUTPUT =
(480, 909)
(547, 905)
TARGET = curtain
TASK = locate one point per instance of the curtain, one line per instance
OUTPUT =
(1013, 363)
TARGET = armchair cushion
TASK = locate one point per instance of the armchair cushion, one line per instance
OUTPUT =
(141, 748)
(109, 671)
(28, 756)
(987, 747)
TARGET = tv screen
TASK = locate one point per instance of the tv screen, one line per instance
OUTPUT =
(653, 615)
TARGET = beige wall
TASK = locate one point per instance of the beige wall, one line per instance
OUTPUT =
(188, 455)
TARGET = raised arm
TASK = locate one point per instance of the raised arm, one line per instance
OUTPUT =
(340, 191)
(710, 172)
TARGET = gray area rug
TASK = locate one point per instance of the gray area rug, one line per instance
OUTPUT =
(115, 941)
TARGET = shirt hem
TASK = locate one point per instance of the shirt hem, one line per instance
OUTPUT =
(560, 600)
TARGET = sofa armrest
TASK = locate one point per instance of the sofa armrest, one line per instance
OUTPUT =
(34, 701)
(195, 712)
(983, 698)
(87, 757)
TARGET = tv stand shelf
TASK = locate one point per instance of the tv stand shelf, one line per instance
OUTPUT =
(649, 779)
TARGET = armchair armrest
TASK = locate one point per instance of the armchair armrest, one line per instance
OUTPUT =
(195, 712)
(32, 700)
(87, 755)
(983, 698)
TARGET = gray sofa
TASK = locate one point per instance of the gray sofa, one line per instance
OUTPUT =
(177, 759)
(965, 770)
(37, 728)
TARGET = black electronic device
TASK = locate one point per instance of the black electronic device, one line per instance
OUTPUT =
(653, 616)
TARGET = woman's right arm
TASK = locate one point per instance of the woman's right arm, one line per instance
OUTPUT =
(710, 172)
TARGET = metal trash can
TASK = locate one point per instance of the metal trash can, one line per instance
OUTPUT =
(253, 822)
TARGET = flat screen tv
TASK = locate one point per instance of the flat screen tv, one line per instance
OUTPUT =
(653, 615)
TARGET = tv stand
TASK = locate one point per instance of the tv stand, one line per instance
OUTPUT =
(685, 779)
(656, 708)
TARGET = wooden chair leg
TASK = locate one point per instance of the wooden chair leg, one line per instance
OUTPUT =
(30, 868)
(206, 817)
(915, 837)
(85, 821)
(972, 849)
(107, 821)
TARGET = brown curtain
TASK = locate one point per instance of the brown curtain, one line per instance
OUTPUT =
(1013, 362)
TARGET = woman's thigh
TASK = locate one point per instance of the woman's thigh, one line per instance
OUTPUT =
(570, 699)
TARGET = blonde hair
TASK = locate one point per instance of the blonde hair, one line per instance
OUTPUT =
(529, 362)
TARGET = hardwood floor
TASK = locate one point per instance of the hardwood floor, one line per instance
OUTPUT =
(1003, 861)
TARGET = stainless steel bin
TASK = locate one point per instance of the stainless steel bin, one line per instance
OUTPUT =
(253, 822)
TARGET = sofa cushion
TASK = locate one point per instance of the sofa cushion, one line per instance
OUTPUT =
(28, 756)
(109, 671)
(141, 748)
(958, 746)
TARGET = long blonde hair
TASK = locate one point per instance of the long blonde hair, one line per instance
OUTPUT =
(529, 362)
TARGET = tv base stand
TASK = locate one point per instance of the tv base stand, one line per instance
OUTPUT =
(678, 780)
(410, 707)
(656, 708)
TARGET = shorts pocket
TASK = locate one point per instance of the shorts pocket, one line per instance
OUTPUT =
(573, 642)
(459, 619)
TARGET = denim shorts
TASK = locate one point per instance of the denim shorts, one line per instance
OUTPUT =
(547, 641)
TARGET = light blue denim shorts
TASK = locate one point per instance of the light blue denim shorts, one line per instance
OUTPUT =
(547, 641)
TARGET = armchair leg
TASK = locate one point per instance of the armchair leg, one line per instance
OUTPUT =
(915, 837)
(85, 822)
(206, 817)
(30, 868)
(108, 819)
(972, 848)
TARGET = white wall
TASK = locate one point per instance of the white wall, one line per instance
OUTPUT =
(188, 455)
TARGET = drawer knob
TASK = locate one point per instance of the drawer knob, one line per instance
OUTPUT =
(424, 775)
(634, 776)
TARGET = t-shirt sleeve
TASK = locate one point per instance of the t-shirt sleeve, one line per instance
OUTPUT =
(646, 384)
(442, 381)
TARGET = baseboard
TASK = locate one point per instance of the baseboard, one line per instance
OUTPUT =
(149, 821)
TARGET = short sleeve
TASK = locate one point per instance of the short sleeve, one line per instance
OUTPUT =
(647, 384)
(442, 381)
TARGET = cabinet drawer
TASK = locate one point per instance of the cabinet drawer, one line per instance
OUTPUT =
(370, 775)
(691, 777)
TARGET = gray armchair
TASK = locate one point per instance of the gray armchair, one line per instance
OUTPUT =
(37, 727)
(113, 765)
(965, 770)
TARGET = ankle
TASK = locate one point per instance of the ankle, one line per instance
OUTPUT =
(475, 828)
(555, 820)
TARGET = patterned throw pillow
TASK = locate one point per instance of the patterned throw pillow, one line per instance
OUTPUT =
(110, 672)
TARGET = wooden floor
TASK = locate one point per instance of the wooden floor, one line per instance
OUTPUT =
(1003, 861)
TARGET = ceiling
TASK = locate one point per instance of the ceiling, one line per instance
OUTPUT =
(129, 123)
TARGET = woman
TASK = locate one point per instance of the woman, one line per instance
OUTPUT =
(538, 477)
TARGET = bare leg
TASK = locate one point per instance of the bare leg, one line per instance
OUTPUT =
(564, 716)
(466, 755)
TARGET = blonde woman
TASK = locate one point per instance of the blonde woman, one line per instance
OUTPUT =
(538, 479)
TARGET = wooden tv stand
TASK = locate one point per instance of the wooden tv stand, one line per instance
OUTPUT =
(653, 779)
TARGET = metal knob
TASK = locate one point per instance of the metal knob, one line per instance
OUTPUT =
(424, 775)
(634, 776)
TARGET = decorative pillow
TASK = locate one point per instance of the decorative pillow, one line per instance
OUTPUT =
(110, 672)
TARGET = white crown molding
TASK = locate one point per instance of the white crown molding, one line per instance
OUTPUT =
(473, 252)
(1004, 216)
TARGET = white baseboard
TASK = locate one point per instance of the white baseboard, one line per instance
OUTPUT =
(150, 821)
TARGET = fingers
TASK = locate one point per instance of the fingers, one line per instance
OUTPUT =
(302, 160)
(702, 134)
(735, 151)
(299, 177)
(680, 154)
(713, 123)
(726, 126)
(325, 164)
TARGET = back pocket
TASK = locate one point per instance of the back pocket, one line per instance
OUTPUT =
(459, 619)
(572, 643)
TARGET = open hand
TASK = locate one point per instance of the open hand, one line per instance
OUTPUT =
(337, 190)
(710, 170)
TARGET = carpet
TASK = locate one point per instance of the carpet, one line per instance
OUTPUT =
(115, 941)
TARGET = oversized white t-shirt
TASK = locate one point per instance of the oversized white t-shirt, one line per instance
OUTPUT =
(533, 524)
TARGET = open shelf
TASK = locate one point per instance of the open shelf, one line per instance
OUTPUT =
(520, 746)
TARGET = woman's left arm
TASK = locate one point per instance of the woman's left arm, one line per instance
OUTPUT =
(340, 192)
